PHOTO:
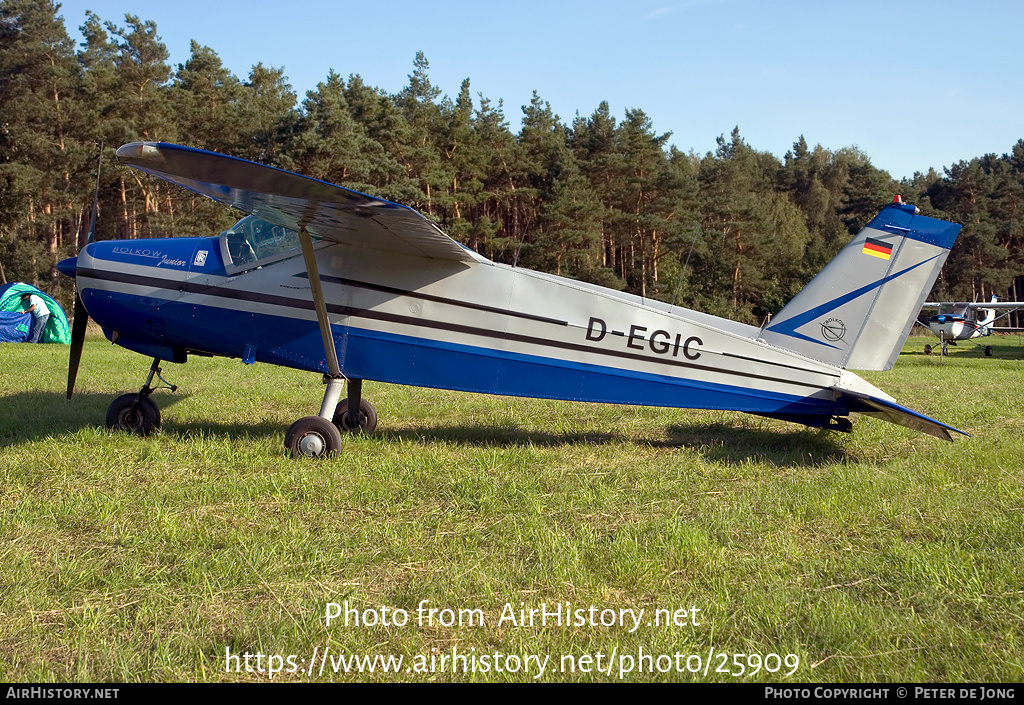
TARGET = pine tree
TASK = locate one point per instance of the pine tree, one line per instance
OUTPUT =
(266, 105)
(569, 228)
(140, 109)
(737, 184)
(418, 102)
(465, 161)
(329, 144)
(205, 98)
(596, 149)
(504, 199)
(44, 137)
(385, 124)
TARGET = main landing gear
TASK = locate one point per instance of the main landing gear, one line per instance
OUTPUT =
(137, 413)
(315, 436)
(318, 436)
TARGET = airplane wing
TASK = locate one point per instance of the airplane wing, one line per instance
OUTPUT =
(975, 305)
(290, 200)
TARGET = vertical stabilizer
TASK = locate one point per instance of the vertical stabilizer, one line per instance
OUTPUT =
(858, 311)
(988, 317)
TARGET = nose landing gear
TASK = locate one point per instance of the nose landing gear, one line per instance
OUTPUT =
(137, 413)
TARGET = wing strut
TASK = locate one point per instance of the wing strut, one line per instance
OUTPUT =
(336, 383)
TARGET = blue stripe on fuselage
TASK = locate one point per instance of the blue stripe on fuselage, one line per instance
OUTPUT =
(424, 362)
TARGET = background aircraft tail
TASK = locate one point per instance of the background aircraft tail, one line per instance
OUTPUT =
(858, 311)
(988, 317)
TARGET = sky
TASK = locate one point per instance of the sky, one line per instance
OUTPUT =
(914, 84)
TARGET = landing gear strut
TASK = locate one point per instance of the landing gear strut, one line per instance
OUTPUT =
(137, 413)
(355, 414)
(314, 436)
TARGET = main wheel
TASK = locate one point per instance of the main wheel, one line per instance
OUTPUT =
(313, 437)
(367, 417)
(988, 351)
(927, 349)
(140, 418)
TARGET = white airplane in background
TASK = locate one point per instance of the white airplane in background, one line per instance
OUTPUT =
(332, 281)
(953, 321)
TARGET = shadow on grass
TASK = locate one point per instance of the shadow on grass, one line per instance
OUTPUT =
(496, 436)
(717, 441)
(735, 444)
(31, 416)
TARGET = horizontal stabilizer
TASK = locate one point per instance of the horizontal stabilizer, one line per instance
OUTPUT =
(900, 415)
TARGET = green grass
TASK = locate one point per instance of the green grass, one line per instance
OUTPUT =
(883, 555)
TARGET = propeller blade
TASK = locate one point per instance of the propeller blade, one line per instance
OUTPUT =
(78, 325)
(80, 319)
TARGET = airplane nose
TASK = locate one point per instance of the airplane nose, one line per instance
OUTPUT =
(68, 267)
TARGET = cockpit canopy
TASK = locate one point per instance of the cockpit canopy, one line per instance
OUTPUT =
(954, 309)
(252, 242)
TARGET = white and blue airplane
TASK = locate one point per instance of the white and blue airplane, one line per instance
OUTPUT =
(320, 278)
(953, 321)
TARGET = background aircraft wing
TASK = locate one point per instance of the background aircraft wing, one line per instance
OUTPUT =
(997, 305)
(284, 198)
(974, 305)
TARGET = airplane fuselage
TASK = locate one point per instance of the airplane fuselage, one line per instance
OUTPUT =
(470, 326)
(955, 327)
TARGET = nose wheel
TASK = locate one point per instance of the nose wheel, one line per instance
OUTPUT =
(133, 414)
(137, 413)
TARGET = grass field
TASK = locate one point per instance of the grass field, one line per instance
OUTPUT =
(883, 555)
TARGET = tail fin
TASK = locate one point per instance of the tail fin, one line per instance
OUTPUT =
(989, 317)
(858, 311)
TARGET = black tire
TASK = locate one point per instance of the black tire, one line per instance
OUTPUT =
(313, 437)
(927, 349)
(988, 351)
(141, 418)
(367, 417)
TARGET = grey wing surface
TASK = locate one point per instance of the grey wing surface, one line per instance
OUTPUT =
(327, 211)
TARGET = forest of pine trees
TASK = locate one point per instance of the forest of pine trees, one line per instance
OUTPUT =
(735, 232)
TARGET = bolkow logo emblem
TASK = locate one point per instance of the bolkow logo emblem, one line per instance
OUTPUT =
(833, 329)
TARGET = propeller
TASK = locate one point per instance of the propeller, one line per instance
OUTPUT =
(80, 317)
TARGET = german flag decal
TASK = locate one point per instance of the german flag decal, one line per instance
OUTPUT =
(877, 248)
